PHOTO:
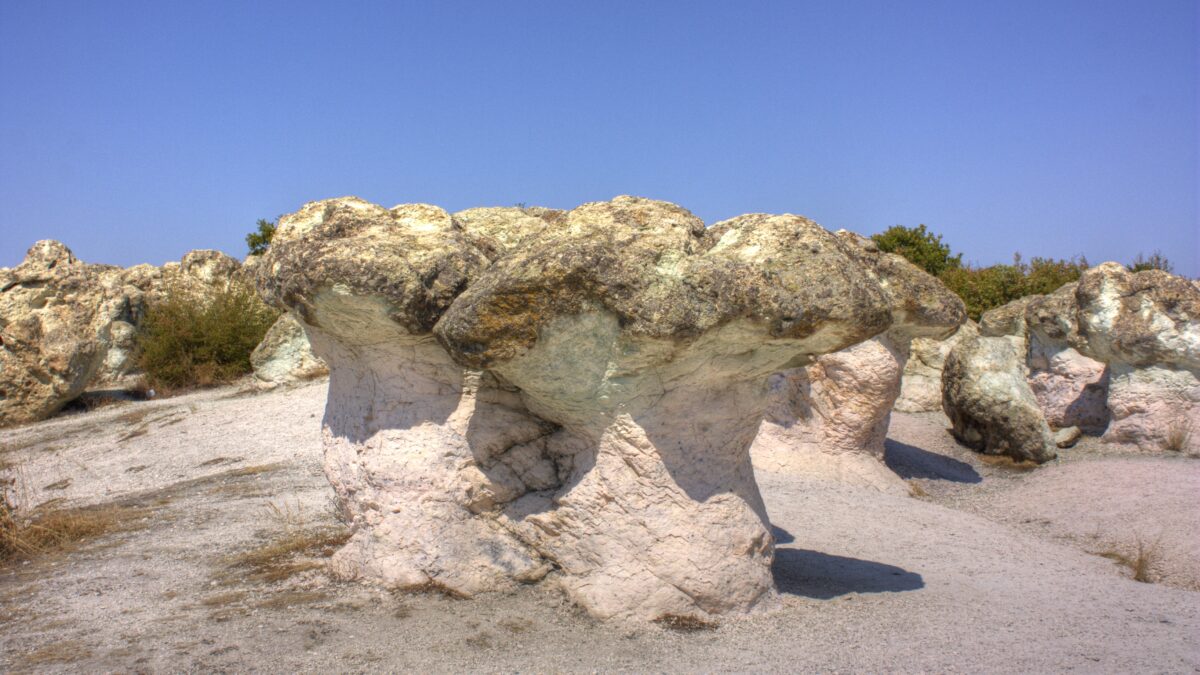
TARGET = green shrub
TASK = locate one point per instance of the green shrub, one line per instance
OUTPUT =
(984, 288)
(260, 239)
(1046, 275)
(187, 340)
(920, 247)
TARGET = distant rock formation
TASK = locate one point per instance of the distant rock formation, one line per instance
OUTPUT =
(989, 402)
(520, 391)
(57, 318)
(1116, 353)
(66, 325)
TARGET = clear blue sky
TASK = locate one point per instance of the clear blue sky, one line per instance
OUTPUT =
(135, 132)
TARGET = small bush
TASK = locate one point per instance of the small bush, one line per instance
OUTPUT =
(190, 341)
(259, 240)
(919, 246)
(1139, 563)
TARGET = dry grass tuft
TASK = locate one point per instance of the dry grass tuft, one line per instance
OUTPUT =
(67, 651)
(223, 599)
(1006, 462)
(284, 556)
(290, 552)
(140, 431)
(915, 489)
(685, 623)
(1140, 562)
(1179, 436)
(48, 530)
(256, 469)
(433, 587)
(515, 625)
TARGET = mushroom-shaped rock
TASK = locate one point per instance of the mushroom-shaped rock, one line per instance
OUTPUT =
(648, 340)
(829, 420)
(1071, 388)
(56, 325)
(419, 449)
(989, 402)
(1146, 327)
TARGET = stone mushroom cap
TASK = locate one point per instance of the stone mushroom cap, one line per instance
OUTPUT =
(921, 305)
(655, 267)
(498, 229)
(414, 256)
(1143, 318)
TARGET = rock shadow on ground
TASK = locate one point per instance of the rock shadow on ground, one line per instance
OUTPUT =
(909, 461)
(822, 576)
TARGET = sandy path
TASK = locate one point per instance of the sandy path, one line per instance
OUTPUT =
(869, 582)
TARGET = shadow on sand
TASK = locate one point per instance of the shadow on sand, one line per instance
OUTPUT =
(823, 576)
(909, 461)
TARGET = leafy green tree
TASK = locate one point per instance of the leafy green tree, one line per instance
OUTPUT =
(259, 240)
(920, 247)
(1156, 261)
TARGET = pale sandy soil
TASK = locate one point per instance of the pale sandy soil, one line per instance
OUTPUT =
(990, 572)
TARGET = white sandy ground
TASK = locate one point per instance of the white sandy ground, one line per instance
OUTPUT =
(989, 573)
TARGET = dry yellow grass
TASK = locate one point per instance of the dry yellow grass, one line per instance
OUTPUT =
(295, 549)
(49, 530)
(66, 651)
(1179, 436)
(1140, 562)
(685, 623)
(1006, 462)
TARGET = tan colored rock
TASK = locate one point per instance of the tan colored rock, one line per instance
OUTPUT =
(620, 326)
(57, 318)
(285, 355)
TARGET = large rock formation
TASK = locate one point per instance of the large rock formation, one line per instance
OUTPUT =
(829, 420)
(519, 391)
(67, 326)
(56, 325)
(988, 400)
(285, 356)
(1071, 389)
(1116, 353)
(1146, 327)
